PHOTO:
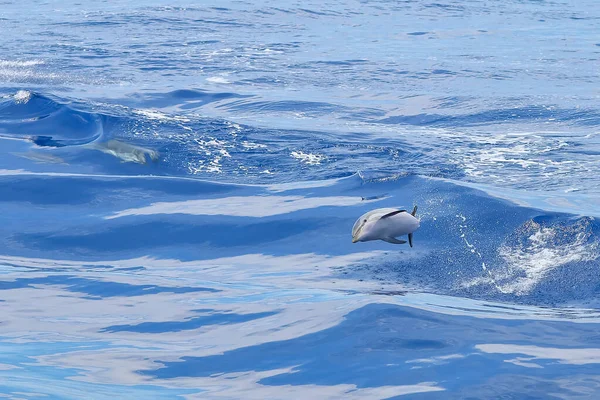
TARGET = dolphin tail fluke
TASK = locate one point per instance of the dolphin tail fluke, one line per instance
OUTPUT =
(414, 211)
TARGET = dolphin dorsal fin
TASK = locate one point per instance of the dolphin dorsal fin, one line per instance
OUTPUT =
(391, 214)
(414, 211)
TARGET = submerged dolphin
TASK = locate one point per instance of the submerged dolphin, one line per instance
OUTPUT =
(385, 224)
(126, 152)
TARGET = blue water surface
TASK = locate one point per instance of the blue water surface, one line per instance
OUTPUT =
(179, 181)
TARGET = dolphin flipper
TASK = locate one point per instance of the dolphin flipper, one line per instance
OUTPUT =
(410, 239)
(393, 240)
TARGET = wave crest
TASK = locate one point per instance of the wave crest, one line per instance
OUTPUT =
(46, 122)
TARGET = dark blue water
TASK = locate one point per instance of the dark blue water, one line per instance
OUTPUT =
(178, 185)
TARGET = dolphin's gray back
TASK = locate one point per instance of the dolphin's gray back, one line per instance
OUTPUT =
(380, 211)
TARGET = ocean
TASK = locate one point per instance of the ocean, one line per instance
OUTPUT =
(179, 181)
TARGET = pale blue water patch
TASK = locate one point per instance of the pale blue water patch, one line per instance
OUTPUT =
(178, 185)
(23, 378)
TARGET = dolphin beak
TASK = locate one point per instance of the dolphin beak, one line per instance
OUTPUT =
(354, 239)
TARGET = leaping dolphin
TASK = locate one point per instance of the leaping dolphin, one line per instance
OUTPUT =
(385, 224)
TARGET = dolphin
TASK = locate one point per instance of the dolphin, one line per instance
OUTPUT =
(385, 224)
(125, 151)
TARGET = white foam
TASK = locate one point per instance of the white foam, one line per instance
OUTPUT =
(521, 159)
(22, 97)
(224, 153)
(530, 262)
(252, 146)
(217, 79)
(19, 64)
(527, 263)
(159, 116)
(234, 128)
(307, 158)
(215, 165)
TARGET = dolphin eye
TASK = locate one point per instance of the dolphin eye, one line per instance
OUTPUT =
(365, 220)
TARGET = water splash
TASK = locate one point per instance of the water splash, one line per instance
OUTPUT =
(22, 97)
(462, 226)
(543, 249)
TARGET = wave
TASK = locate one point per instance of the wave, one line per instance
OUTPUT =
(181, 141)
(46, 122)
(470, 244)
(514, 115)
(188, 143)
(475, 245)
(50, 123)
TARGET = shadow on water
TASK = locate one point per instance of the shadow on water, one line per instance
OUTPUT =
(190, 323)
(73, 190)
(98, 289)
(405, 345)
(149, 235)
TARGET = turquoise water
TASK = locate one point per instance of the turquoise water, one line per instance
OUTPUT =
(178, 185)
